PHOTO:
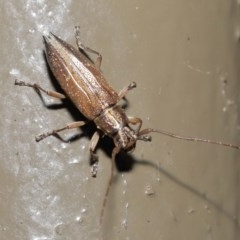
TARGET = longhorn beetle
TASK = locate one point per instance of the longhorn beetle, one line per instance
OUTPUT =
(85, 85)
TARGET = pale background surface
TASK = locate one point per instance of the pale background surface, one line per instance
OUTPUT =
(185, 58)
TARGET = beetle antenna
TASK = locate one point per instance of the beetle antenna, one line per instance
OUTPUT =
(114, 153)
(192, 139)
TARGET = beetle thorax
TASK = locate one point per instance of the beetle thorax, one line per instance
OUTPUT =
(125, 138)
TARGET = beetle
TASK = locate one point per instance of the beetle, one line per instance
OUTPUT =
(84, 84)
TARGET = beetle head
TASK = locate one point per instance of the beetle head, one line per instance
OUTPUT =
(125, 139)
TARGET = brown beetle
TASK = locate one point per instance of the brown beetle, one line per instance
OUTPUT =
(83, 82)
(85, 85)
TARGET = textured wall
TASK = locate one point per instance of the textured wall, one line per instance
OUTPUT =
(185, 57)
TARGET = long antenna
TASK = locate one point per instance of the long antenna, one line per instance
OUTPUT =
(114, 153)
(192, 139)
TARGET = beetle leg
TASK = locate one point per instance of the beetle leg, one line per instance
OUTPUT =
(94, 157)
(54, 132)
(141, 134)
(38, 88)
(80, 45)
(125, 90)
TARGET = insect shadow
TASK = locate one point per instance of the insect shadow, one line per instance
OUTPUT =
(191, 189)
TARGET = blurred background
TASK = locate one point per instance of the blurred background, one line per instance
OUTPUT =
(184, 57)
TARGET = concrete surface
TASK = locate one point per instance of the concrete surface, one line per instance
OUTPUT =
(185, 58)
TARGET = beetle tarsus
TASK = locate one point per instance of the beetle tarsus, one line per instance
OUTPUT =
(93, 163)
(94, 169)
(80, 45)
(132, 85)
(41, 137)
(38, 89)
(19, 83)
(125, 90)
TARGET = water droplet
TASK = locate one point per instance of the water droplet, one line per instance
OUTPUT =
(50, 13)
(83, 146)
(207, 208)
(79, 219)
(63, 145)
(31, 30)
(14, 71)
(83, 210)
(74, 160)
(149, 190)
(191, 210)
(124, 223)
